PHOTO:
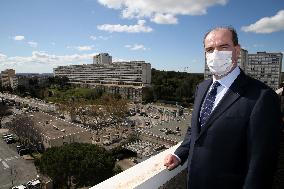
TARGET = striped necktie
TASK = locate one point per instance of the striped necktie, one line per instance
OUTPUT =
(208, 103)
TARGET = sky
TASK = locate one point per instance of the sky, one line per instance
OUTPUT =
(39, 35)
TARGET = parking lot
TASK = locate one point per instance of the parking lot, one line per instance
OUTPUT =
(182, 123)
(13, 168)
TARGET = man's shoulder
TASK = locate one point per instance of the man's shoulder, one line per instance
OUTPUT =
(252, 82)
(257, 86)
(205, 82)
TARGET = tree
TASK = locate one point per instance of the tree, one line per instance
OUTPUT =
(103, 111)
(148, 94)
(77, 163)
(115, 108)
(173, 86)
(4, 110)
(23, 126)
(60, 82)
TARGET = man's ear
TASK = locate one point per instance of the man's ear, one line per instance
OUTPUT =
(238, 50)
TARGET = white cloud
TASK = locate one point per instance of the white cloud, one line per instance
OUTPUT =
(257, 45)
(93, 37)
(105, 37)
(19, 38)
(267, 24)
(33, 44)
(136, 47)
(137, 28)
(82, 47)
(164, 19)
(2, 57)
(114, 59)
(40, 61)
(161, 11)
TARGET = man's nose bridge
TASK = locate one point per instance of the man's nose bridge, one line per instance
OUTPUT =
(217, 48)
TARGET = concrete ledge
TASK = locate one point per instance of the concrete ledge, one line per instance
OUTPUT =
(150, 174)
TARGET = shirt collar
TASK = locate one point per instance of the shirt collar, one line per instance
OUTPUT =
(230, 78)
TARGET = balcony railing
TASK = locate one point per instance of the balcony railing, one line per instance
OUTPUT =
(149, 174)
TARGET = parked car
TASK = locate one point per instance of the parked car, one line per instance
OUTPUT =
(4, 135)
(20, 147)
(9, 135)
(33, 184)
(24, 151)
(19, 187)
(10, 140)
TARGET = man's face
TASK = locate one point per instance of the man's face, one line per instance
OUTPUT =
(221, 40)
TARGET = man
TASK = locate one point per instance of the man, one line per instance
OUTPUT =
(235, 128)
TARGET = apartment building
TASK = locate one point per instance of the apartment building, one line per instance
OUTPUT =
(9, 79)
(125, 78)
(266, 67)
(102, 58)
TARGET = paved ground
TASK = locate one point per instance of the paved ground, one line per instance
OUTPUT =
(125, 164)
(13, 167)
(182, 124)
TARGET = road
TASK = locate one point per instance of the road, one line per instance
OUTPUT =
(30, 101)
(13, 168)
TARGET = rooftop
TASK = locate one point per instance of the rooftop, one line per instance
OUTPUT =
(53, 127)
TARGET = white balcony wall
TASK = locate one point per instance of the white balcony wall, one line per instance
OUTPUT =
(149, 174)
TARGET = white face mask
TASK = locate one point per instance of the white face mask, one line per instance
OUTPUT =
(219, 62)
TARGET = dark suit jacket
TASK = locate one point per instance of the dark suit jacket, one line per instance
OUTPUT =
(237, 148)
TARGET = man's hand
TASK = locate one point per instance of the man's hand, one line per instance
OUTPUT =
(171, 162)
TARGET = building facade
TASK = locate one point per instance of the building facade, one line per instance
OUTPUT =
(266, 67)
(125, 78)
(9, 79)
(102, 58)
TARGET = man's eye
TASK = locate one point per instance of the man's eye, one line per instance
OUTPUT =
(225, 47)
(209, 50)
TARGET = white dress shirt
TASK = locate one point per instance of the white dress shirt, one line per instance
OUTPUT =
(226, 83)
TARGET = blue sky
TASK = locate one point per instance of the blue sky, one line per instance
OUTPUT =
(38, 35)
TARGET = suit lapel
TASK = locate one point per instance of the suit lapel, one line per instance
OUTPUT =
(232, 95)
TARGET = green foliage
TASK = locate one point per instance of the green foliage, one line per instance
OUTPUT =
(174, 86)
(60, 95)
(7, 89)
(148, 94)
(4, 111)
(38, 87)
(117, 169)
(59, 82)
(77, 163)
